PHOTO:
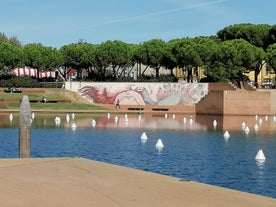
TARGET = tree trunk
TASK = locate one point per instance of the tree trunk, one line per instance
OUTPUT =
(129, 71)
(157, 71)
(171, 69)
(123, 72)
(103, 70)
(190, 75)
(144, 70)
(257, 71)
(139, 67)
(114, 72)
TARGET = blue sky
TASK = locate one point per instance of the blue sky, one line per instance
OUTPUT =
(60, 22)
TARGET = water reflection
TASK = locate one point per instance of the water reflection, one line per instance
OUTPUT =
(247, 124)
(260, 175)
(260, 164)
(193, 148)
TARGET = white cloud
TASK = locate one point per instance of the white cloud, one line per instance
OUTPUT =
(193, 4)
(182, 6)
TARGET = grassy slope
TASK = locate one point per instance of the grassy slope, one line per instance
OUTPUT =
(77, 102)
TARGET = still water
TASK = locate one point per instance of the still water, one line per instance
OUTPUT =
(193, 148)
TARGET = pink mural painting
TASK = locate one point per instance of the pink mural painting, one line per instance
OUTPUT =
(166, 94)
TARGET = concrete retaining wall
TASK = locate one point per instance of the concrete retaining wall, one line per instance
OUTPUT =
(221, 98)
(238, 102)
(220, 87)
(135, 93)
(211, 104)
(244, 102)
(273, 101)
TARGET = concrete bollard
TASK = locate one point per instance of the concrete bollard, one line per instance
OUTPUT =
(25, 119)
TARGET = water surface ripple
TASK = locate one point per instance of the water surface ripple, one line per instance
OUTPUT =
(198, 155)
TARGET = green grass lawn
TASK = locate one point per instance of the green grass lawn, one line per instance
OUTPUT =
(56, 106)
(19, 96)
(32, 96)
(77, 102)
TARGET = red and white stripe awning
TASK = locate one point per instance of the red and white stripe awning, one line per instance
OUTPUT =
(47, 74)
(27, 71)
(24, 72)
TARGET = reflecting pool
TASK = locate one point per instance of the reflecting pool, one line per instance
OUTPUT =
(194, 149)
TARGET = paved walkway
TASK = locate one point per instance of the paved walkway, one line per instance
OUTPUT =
(75, 182)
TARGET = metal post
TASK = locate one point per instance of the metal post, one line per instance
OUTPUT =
(24, 128)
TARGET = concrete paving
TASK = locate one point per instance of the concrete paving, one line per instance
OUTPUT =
(80, 182)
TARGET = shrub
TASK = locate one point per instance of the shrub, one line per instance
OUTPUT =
(24, 82)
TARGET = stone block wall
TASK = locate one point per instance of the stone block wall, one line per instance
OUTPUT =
(273, 101)
(220, 87)
(242, 102)
(213, 103)
(237, 102)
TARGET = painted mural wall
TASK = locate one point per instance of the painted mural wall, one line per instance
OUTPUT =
(165, 94)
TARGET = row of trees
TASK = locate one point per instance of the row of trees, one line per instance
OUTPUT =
(233, 51)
